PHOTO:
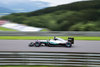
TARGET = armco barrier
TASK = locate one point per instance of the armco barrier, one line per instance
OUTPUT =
(51, 33)
(50, 58)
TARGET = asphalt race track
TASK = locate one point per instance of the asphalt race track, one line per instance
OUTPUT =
(22, 45)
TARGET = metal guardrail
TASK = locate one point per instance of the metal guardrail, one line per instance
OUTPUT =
(51, 33)
(49, 58)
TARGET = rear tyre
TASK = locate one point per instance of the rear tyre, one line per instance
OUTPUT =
(31, 44)
(68, 44)
(71, 40)
(37, 44)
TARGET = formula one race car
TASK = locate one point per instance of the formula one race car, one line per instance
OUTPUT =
(53, 42)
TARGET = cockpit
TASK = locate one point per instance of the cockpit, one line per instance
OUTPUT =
(56, 38)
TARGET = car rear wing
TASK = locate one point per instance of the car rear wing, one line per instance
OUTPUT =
(71, 39)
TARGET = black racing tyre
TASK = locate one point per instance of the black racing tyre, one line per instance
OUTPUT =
(37, 44)
(68, 44)
(31, 44)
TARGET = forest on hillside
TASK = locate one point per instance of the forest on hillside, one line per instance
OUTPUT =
(78, 16)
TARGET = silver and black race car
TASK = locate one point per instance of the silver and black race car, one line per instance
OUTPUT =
(53, 42)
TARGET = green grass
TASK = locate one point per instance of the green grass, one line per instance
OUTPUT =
(6, 29)
(45, 30)
(44, 37)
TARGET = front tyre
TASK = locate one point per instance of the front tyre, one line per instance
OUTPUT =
(37, 44)
(68, 44)
(31, 44)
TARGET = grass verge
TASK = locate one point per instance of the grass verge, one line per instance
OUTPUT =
(6, 29)
(44, 37)
(45, 29)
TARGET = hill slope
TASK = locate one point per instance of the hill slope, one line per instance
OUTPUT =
(79, 16)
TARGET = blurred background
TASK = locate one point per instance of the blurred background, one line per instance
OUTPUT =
(23, 21)
(49, 15)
